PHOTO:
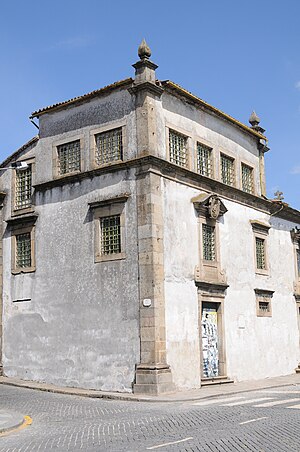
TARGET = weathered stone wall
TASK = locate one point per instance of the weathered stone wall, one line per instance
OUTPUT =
(81, 325)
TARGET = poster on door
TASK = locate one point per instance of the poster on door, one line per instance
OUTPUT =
(210, 343)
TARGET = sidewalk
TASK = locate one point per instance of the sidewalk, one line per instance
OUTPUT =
(180, 396)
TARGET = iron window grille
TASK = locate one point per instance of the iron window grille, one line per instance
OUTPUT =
(209, 242)
(109, 146)
(178, 148)
(23, 188)
(264, 307)
(227, 170)
(260, 253)
(110, 235)
(69, 157)
(204, 163)
(247, 178)
(23, 250)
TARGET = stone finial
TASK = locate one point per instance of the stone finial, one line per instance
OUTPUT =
(254, 119)
(278, 196)
(144, 50)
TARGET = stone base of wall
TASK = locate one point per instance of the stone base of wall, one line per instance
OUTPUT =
(153, 379)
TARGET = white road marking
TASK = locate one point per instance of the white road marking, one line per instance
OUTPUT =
(269, 391)
(276, 402)
(210, 402)
(244, 402)
(253, 420)
(169, 444)
(295, 407)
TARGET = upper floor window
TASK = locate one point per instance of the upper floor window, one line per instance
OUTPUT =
(69, 157)
(247, 178)
(260, 253)
(204, 160)
(23, 188)
(227, 170)
(178, 148)
(110, 235)
(23, 259)
(109, 146)
(208, 242)
(298, 261)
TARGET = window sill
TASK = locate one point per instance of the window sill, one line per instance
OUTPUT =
(262, 272)
(22, 211)
(110, 257)
(18, 271)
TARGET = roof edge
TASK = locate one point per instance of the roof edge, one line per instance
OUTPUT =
(189, 95)
(75, 100)
(33, 140)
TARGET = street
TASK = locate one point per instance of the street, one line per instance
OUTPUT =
(265, 420)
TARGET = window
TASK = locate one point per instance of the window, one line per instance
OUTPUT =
(69, 157)
(110, 235)
(227, 170)
(208, 242)
(247, 178)
(23, 188)
(109, 227)
(109, 146)
(260, 230)
(263, 302)
(298, 261)
(260, 253)
(23, 260)
(204, 161)
(178, 148)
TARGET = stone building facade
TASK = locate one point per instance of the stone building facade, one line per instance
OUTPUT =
(139, 251)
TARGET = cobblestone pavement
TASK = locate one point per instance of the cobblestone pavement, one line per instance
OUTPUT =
(266, 420)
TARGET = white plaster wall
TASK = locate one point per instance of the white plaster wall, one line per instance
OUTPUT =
(211, 130)
(182, 334)
(256, 347)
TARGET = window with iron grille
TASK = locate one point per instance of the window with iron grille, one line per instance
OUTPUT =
(298, 261)
(204, 161)
(247, 178)
(23, 188)
(178, 148)
(110, 235)
(23, 250)
(227, 170)
(208, 242)
(109, 146)
(260, 253)
(264, 307)
(69, 157)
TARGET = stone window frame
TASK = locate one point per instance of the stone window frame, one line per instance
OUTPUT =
(107, 128)
(261, 231)
(189, 148)
(248, 165)
(108, 208)
(263, 296)
(55, 158)
(22, 210)
(210, 146)
(232, 157)
(295, 236)
(22, 228)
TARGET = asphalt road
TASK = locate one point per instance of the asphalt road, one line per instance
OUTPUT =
(267, 420)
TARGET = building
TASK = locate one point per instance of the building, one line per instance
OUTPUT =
(139, 250)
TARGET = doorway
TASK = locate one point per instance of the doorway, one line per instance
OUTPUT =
(210, 340)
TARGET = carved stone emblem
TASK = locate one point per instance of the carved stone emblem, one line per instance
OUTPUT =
(214, 207)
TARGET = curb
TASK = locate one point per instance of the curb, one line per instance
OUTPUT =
(120, 397)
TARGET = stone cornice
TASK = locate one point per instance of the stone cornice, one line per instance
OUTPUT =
(146, 86)
(21, 219)
(181, 175)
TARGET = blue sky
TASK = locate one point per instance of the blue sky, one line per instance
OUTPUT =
(234, 54)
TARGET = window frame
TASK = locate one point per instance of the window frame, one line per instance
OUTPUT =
(105, 209)
(176, 131)
(55, 156)
(233, 159)
(263, 296)
(18, 230)
(261, 231)
(103, 129)
(203, 143)
(27, 209)
(243, 164)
